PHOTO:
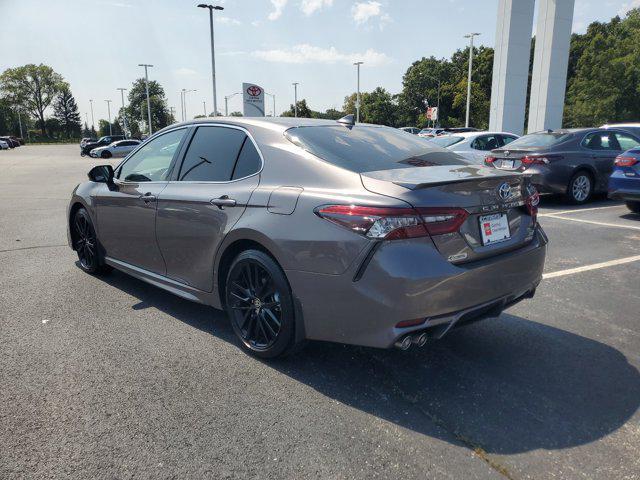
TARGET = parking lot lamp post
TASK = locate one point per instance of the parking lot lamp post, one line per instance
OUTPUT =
(273, 95)
(93, 122)
(184, 102)
(124, 114)
(204, 107)
(146, 82)
(20, 123)
(295, 99)
(213, 56)
(109, 115)
(226, 102)
(357, 64)
(470, 37)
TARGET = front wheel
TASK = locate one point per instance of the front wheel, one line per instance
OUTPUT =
(260, 305)
(633, 206)
(85, 243)
(580, 188)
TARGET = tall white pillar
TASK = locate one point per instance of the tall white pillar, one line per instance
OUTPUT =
(511, 65)
(550, 61)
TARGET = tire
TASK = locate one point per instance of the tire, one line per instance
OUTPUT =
(580, 188)
(105, 154)
(634, 206)
(260, 305)
(86, 245)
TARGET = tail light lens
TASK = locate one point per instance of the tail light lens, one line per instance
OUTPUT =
(489, 160)
(394, 223)
(534, 160)
(622, 161)
(532, 201)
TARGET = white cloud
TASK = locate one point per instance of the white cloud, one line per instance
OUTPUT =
(185, 71)
(232, 53)
(227, 21)
(305, 53)
(628, 6)
(278, 7)
(309, 7)
(362, 12)
(256, 23)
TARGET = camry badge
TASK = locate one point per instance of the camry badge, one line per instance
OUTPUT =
(504, 191)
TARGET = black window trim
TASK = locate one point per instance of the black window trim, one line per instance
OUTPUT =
(118, 181)
(605, 130)
(174, 176)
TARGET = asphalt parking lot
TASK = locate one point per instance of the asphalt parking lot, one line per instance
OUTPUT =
(107, 377)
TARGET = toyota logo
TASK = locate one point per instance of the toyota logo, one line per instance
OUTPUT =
(254, 91)
(504, 191)
(506, 153)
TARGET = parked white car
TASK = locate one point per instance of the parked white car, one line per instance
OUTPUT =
(4, 145)
(121, 148)
(474, 146)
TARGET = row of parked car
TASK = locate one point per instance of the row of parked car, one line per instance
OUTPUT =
(108, 146)
(9, 141)
(577, 163)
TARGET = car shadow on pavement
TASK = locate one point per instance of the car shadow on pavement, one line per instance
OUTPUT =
(506, 385)
(560, 203)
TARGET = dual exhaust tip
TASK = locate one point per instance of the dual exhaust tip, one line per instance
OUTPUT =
(419, 339)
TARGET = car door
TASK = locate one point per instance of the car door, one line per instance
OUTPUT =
(204, 199)
(126, 211)
(603, 148)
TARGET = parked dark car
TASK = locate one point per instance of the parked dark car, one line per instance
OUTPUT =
(20, 140)
(314, 229)
(12, 143)
(574, 162)
(102, 142)
(624, 183)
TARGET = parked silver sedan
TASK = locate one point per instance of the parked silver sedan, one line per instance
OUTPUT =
(314, 229)
(474, 146)
(121, 148)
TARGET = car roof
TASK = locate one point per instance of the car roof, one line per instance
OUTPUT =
(477, 134)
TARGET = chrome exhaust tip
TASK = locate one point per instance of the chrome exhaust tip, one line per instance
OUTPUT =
(421, 339)
(404, 343)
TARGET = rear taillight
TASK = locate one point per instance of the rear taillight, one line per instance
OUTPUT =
(532, 201)
(539, 159)
(394, 223)
(622, 161)
(489, 160)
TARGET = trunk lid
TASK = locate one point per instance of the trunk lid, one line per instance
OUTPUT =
(471, 187)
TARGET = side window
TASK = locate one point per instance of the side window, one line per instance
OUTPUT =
(152, 162)
(248, 161)
(212, 155)
(626, 142)
(486, 142)
(601, 141)
(507, 139)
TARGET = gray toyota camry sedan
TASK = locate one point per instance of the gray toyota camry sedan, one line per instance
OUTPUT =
(314, 229)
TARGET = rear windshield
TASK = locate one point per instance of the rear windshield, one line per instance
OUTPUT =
(446, 141)
(366, 149)
(539, 140)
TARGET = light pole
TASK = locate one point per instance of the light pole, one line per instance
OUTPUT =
(109, 115)
(93, 122)
(470, 37)
(146, 82)
(273, 95)
(226, 102)
(437, 79)
(124, 114)
(213, 56)
(295, 99)
(184, 103)
(20, 124)
(204, 107)
(357, 64)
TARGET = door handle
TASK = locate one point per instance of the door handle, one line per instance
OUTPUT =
(147, 198)
(223, 201)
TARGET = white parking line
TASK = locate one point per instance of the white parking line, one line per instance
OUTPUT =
(578, 210)
(595, 266)
(602, 224)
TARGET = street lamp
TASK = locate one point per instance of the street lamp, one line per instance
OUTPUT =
(470, 37)
(273, 95)
(295, 98)
(357, 64)
(124, 114)
(213, 56)
(226, 102)
(93, 123)
(146, 81)
(204, 107)
(183, 99)
(109, 115)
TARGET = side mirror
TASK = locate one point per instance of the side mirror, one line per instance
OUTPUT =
(101, 174)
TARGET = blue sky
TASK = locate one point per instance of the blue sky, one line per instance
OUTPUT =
(97, 44)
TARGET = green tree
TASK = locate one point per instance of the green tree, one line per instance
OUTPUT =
(31, 88)
(103, 128)
(65, 110)
(136, 112)
(303, 110)
(236, 114)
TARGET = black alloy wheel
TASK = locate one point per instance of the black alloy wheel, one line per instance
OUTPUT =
(259, 304)
(85, 243)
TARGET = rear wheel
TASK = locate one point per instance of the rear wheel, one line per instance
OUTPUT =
(580, 187)
(633, 206)
(260, 305)
(85, 243)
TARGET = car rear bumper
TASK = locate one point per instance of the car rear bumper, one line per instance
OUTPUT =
(622, 187)
(408, 280)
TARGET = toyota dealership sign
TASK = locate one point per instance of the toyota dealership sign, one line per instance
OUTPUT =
(253, 100)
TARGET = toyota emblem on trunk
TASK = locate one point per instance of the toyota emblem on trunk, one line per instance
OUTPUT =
(504, 191)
